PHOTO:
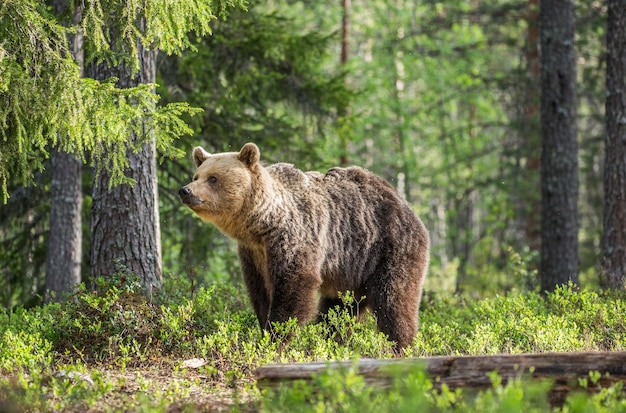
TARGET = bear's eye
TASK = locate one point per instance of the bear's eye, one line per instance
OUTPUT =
(212, 179)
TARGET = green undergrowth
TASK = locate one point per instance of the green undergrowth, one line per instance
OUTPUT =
(112, 349)
(565, 320)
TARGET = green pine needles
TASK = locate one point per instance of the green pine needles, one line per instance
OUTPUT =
(160, 24)
(45, 103)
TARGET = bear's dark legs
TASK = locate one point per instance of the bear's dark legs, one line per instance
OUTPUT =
(255, 285)
(395, 294)
(397, 319)
(295, 279)
(288, 302)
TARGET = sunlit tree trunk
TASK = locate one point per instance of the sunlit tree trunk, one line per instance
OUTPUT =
(63, 262)
(614, 239)
(125, 219)
(559, 157)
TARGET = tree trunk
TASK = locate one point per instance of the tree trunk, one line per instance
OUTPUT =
(125, 230)
(65, 239)
(559, 158)
(614, 238)
(531, 136)
(63, 262)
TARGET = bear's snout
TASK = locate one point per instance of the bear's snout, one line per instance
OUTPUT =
(186, 195)
(184, 192)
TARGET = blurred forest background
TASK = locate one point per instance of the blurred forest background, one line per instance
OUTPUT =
(441, 98)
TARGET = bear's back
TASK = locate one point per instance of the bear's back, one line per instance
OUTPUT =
(351, 216)
(291, 177)
(352, 192)
(365, 216)
(360, 188)
(349, 179)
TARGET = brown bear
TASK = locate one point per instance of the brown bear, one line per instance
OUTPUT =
(307, 235)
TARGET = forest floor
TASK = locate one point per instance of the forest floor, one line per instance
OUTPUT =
(139, 388)
(114, 351)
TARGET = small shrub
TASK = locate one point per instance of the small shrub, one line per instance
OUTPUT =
(112, 325)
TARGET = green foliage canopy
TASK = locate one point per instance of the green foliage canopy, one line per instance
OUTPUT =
(159, 24)
(45, 103)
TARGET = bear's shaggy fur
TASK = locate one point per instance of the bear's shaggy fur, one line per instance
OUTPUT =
(307, 235)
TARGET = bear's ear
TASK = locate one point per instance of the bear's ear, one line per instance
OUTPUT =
(199, 155)
(249, 154)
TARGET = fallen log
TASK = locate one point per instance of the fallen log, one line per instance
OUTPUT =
(472, 372)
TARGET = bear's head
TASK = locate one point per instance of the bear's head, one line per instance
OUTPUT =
(222, 184)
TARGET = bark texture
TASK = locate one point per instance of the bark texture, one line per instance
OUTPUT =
(559, 158)
(125, 219)
(63, 262)
(614, 239)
